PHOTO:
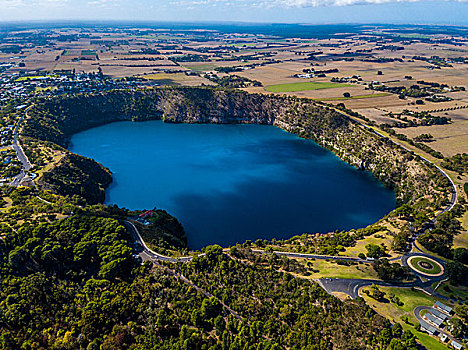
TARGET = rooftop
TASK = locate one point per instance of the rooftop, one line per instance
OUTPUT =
(443, 307)
(429, 329)
(438, 314)
(432, 319)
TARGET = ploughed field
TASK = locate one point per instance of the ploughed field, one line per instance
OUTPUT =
(231, 183)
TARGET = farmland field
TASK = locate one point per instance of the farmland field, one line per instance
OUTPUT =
(352, 97)
(309, 85)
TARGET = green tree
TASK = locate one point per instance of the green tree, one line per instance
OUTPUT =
(375, 251)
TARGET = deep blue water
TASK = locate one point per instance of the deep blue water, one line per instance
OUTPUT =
(230, 183)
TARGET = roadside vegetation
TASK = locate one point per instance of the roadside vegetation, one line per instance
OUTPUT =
(76, 279)
(397, 305)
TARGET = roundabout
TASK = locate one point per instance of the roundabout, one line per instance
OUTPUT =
(425, 266)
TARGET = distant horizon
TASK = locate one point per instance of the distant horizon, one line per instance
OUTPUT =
(220, 22)
(424, 12)
(284, 30)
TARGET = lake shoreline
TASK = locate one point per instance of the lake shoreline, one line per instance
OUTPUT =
(269, 153)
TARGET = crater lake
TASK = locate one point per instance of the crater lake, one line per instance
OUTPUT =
(232, 183)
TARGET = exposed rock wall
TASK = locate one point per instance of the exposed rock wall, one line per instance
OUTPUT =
(57, 119)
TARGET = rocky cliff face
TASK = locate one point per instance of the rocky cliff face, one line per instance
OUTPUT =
(57, 119)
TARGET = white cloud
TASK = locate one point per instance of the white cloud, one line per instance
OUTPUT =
(103, 3)
(10, 4)
(285, 3)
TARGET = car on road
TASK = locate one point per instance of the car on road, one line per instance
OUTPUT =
(137, 247)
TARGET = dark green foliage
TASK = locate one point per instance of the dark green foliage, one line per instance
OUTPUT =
(282, 307)
(424, 138)
(391, 272)
(375, 251)
(437, 241)
(462, 312)
(457, 273)
(75, 248)
(74, 284)
(440, 240)
(164, 231)
(457, 327)
(458, 163)
(461, 255)
(376, 294)
(400, 240)
(232, 81)
(78, 176)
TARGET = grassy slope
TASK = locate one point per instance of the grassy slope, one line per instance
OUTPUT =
(451, 291)
(332, 269)
(461, 240)
(360, 246)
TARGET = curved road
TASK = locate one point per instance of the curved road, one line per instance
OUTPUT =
(347, 286)
(20, 153)
(454, 195)
(417, 313)
(147, 253)
(352, 286)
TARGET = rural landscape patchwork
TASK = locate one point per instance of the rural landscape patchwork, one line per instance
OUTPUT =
(233, 186)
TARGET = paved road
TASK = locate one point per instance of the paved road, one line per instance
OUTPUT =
(417, 313)
(17, 179)
(454, 195)
(147, 253)
(44, 200)
(20, 153)
(17, 147)
(351, 287)
(348, 286)
(404, 261)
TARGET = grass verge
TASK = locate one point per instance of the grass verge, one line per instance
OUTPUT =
(396, 313)
(425, 265)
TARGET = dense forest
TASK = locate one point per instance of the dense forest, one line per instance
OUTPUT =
(73, 284)
(71, 278)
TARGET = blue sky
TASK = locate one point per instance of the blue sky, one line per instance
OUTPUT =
(294, 11)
